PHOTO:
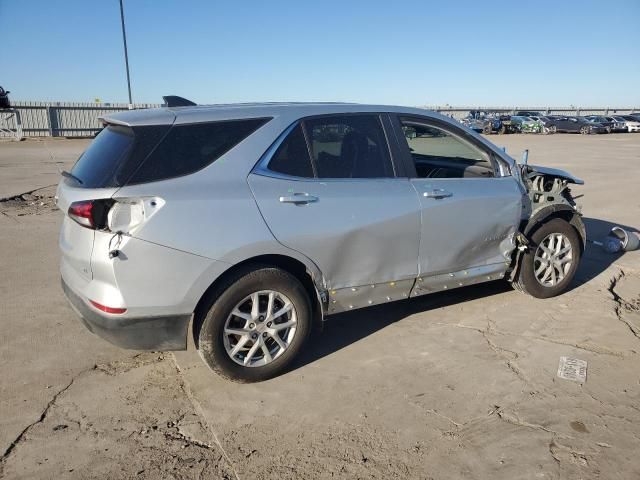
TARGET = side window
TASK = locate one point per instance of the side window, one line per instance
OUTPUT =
(292, 157)
(189, 148)
(349, 146)
(437, 153)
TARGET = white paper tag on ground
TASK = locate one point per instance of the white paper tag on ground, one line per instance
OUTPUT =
(572, 369)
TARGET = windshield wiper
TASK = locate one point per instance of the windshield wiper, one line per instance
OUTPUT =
(70, 175)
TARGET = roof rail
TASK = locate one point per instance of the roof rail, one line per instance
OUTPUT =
(175, 101)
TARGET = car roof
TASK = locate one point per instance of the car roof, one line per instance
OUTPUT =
(291, 110)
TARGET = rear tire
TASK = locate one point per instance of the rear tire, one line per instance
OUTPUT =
(542, 274)
(226, 340)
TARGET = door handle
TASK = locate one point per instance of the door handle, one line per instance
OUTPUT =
(437, 193)
(299, 198)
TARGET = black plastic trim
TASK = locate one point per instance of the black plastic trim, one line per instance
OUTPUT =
(140, 333)
(548, 212)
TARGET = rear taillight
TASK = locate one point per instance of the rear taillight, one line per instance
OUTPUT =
(123, 215)
(91, 213)
(82, 212)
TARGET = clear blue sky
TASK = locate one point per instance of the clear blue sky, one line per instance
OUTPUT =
(517, 52)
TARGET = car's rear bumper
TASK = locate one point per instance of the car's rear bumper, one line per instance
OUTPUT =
(138, 333)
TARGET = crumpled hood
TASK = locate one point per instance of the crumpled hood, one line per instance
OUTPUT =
(555, 172)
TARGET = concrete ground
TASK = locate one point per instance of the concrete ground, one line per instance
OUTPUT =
(455, 385)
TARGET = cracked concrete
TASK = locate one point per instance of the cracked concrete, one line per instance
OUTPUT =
(628, 303)
(455, 385)
(7, 453)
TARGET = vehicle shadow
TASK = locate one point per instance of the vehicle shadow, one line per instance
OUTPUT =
(343, 329)
(346, 328)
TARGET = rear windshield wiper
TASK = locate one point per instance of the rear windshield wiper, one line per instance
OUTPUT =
(70, 175)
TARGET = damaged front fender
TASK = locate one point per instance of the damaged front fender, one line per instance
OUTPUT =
(558, 210)
(549, 197)
(554, 172)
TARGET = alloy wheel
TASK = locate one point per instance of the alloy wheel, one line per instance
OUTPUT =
(260, 328)
(553, 259)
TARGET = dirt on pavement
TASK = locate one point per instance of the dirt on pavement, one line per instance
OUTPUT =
(461, 384)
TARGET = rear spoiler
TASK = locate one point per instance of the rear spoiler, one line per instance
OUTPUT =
(175, 101)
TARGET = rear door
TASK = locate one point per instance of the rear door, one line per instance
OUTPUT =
(470, 211)
(329, 189)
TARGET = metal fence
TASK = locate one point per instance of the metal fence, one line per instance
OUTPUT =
(64, 119)
(59, 119)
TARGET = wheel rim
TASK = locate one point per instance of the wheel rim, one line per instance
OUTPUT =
(553, 259)
(260, 328)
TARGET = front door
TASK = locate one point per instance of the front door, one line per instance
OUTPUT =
(469, 211)
(330, 191)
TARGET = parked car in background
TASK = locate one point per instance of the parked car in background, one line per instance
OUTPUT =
(526, 124)
(622, 122)
(632, 123)
(505, 124)
(252, 223)
(478, 121)
(547, 123)
(618, 125)
(604, 121)
(489, 122)
(576, 125)
(635, 115)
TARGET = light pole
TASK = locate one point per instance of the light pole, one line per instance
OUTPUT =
(126, 54)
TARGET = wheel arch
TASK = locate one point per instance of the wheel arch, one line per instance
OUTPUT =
(289, 264)
(565, 212)
(542, 216)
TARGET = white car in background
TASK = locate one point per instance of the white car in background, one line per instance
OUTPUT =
(632, 124)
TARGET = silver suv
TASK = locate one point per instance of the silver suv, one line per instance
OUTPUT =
(255, 222)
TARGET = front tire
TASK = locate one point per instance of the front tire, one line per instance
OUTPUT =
(255, 325)
(548, 267)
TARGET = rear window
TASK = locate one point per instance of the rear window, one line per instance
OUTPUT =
(121, 156)
(99, 163)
